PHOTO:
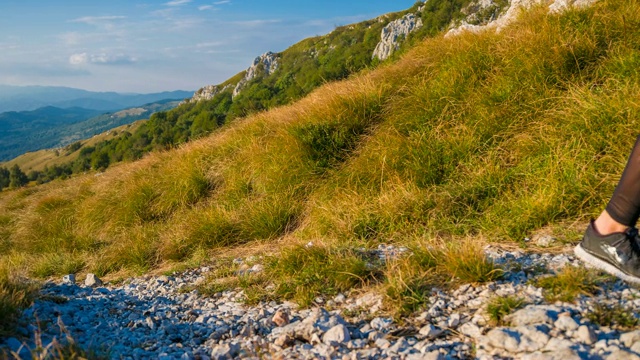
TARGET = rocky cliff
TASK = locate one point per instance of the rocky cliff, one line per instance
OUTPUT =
(206, 93)
(499, 20)
(393, 34)
(265, 64)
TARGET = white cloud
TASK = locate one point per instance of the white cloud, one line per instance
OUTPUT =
(222, 2)
(96, 20)
(101, 59)
(256, 23)
(178, 2)
(205, 7)
(210, 44)
(78, 59)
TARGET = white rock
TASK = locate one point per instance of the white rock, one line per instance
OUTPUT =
(533, 338)
(380, 323)
(630, 338)
(586, 335)
(389, 38)
(544, 240)
(454, 320)
(622, 355)
(339, 299)
(338, 334)
(563, 354)
(69, 279)
(531, 315)
(92, 280)
(382, 343)
(225, 351)
(430, 331)
(501, 338)
(470, 330)
(434, 355)
(267, 63)
(566, 322)
(400, 346)
(557, 345)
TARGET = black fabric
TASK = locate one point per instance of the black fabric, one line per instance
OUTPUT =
(624, 206)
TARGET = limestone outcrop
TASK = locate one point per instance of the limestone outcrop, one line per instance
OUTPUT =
(206, 93)
(393, 34)
(265, 64)
(508, 16)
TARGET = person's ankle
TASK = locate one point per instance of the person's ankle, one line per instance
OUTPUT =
(605, 225)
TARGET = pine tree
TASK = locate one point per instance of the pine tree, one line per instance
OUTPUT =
(17, 178)
(4, 178)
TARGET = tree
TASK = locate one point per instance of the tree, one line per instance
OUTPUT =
(4, 178)
(99, 160)
(17, 178)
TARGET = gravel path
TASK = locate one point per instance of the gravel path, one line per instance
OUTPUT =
(151, 318)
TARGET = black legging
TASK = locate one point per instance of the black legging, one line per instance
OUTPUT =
(624, 206)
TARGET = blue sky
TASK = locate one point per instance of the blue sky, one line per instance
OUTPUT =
(149, 46)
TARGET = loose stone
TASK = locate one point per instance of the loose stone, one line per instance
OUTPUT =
(92, 280)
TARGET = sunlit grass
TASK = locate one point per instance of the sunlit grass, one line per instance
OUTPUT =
(463, 140)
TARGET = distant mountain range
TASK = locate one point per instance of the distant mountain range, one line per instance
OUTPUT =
(52, 127)
(27, 98)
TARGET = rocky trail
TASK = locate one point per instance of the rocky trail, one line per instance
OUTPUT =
(156, 318)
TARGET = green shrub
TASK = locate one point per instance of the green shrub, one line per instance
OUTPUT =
(568, 283)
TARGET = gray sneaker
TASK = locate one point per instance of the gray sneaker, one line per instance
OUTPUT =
(617, 253)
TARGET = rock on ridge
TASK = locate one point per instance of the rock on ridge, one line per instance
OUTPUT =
(391, 35)
(265, 64)
(207, 93)
(509, 16)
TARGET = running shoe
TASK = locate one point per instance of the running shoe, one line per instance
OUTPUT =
(617, 253)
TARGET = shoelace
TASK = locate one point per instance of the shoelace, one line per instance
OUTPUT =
(634, 240)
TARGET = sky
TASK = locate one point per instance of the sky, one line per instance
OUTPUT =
(152, 46)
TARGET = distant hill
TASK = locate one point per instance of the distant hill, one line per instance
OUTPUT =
(52, 127)
(26, 98)
(41, 159)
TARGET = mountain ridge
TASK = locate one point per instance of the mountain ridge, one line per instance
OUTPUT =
(28, 98)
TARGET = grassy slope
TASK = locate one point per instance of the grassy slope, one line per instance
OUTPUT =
(490, 136)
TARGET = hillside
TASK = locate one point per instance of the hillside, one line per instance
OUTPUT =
(492, 135)
(276, 79)
(488, 137)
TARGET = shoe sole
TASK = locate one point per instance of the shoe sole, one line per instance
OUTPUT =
(598, 263)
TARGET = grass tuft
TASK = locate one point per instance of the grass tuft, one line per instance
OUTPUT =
(499, 307)
(409, 281)
(301, 273)
(15, 294)
(49, 264)
(465, 262)
(568, 283)
(613, 315)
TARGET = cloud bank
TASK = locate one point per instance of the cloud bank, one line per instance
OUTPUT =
(101, 59)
